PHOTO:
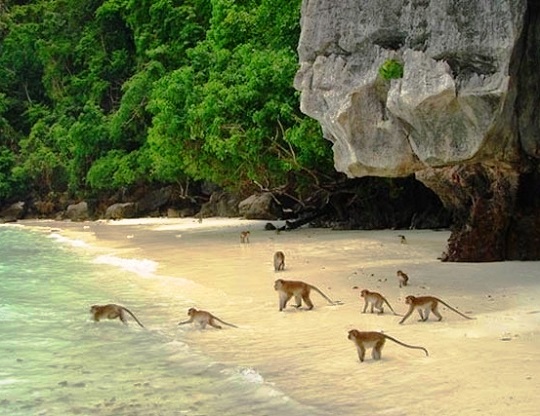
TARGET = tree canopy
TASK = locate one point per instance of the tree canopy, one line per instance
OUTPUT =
(98, 95)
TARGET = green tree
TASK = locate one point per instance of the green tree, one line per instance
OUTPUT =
(101, 94)
(232, 116)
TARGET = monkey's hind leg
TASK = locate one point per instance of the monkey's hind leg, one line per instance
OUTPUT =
(213, 323)
(307, 301)
(377, 350)
(435, 311)
(122, 316)
(298, 300)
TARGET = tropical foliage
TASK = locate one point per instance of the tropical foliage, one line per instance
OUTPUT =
(98, 95)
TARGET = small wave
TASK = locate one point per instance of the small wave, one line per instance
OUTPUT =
(257, 386)
(8, 381)
(65, 240)
(251, 375)
(246, 374)
(143, 267)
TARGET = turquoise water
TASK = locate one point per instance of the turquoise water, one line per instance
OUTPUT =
(55, 361)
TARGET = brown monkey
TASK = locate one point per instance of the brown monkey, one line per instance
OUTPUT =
(426, 304)
(374, 340)
(279, 261)
(300, 290)
(111, 311)
(376, 300)
(204, 318)
(402, 239)
(403, 278)
(244, 236)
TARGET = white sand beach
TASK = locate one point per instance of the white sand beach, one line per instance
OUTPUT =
(486, 366)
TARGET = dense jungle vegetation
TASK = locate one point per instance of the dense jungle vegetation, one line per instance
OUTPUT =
(101, 95)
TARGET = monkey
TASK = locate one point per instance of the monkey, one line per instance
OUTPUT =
(376, 300)
(112, 311)
(402, 239)
(204, 318)
(374, 340)
(426, 304)
(244, 237)
(300, 290)
(403, 278)
(279, 261)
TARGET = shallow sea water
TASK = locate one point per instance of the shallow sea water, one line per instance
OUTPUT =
(55, 361)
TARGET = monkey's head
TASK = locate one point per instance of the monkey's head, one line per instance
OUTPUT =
(409, 300)
(278, 284)
(94, 308)
(191, 311)
(399, 272)
(364, 293)
(353, 333)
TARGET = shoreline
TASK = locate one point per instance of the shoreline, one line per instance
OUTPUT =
(306, 354)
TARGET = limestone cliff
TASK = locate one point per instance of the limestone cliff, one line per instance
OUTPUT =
(463, 115)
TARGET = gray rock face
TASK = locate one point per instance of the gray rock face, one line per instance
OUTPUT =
(78, 212)
(456, 101)
(221, 204)
(260, 207)
(13, 212)
(121, 210)
(464, 114)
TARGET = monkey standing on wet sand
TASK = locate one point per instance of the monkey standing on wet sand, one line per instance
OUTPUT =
(426, 304)
(375, 340)
(279, 261)
(300, 290)
(403, 278)
(204, 318)
(111, 311)
(376, 300)
(244, 236)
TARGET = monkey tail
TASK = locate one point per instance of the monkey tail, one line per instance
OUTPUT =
(324, 296)
(392, 309)
(225, 323)
(406, 345)
(455, 310)
(134, 317)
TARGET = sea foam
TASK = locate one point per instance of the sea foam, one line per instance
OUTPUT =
(143, 267)
(73, 242)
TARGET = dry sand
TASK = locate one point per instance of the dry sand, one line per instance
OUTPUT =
(486, 366)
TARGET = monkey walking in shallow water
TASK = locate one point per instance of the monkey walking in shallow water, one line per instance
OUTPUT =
(204, 318)
(426, 304)
(374, 340)
(300, 290)
(111, 311)
(244, 236)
